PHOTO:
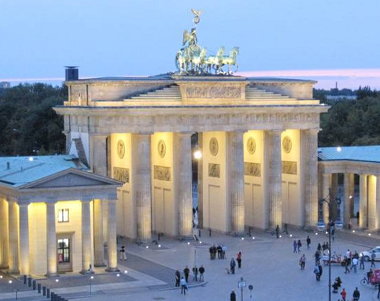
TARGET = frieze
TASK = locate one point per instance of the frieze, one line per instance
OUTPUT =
(214, 170)
(252, 169)
(213, 92)
(289, 167)
(162, 173)
(121, 174)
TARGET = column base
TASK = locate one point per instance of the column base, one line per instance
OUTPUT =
(112, 270)
(100, 265)
(14, 272)
(50, 275)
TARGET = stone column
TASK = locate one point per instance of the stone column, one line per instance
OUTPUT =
(13, 259)
(272, 151)
(86, 236)
(326, 185)
(183, 182)
(98, 233)
(4, 235)
(141, 166)
(24, 239)
(309, 146)
(51, 239)
(99, 161)
(111, 242)
(348, 198)
(378, 201)
(235, 179)
(363, 202)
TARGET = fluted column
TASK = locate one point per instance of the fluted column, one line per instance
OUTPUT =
(142, 184)
(86, 236)
(235, 180)
(363, 203)
(326, 185)
(348, 198)
(24, 239)
(183, 182)
(272, 151)
(111, 242)
(98, 233)
(99, 161)
(51, 239)
(4, 235)
(378, 201)
(13, 259)
(309, 150)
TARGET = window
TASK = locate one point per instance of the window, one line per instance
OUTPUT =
(63, 215)
(63, 250)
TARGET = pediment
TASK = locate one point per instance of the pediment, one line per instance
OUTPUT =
(72, 178)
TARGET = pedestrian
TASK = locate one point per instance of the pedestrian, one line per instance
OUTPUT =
(373, 257)
(233, 296)
(316, 272)
(348, 254)
(238, 259)
(317, 256)
(356, 295)
(278, 231)
(183, 286)
(195, 273)
(361, 263)
(224, 250)
(195, 234)
(294, 246)
(302, 261)
(369, 275)
(308, 242)
(320, 270)
(201, 272)
(123, 256)
(354, 264)
(346, 265)
(186, 272)
(343, 293)
(219, 250)
(378, 291)
(299, 245)
(177, 278)
(319, 247)
(232, 265)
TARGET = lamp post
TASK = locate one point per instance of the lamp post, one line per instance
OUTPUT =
(16, 290)
(91, 278)
(330, 200)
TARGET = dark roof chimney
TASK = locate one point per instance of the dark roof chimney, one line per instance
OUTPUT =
(71, 73)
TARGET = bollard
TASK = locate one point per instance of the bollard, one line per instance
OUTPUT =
(48, 293)
(39, 288)
(24, 279)
(52, 297)
(199, 233)
(44, 291)
(29, 281)
(34, 284)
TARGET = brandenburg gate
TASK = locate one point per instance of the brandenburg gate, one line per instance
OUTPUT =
(258, 139)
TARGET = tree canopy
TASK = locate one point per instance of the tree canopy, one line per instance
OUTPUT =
(28, 124)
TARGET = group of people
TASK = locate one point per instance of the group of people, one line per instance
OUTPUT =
(297, 246)
(231, 270)
(182, 281)
(219, 251)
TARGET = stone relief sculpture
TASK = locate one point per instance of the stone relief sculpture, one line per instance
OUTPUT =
(192, 58)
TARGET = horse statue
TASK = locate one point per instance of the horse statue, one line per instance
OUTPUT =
(231, 59)
(197, 61)
(215, 61)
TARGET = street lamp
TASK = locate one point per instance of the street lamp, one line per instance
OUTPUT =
(91, 278)
(16, 290)
(333, 219)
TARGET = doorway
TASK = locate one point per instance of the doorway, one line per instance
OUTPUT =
(64, 253)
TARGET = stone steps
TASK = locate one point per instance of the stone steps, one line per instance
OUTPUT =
(255, 93)
(165, 93)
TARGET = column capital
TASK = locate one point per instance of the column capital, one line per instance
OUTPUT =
(143, 133)
(23, 203)
(185, 133)
(275, 131)
(86, 199)
(51, 201)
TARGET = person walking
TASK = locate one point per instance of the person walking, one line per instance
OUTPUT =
(354, 264)
(308, 242)
(238, 259)
(232, 265)
(361, 263)
(302, 261)
(356, 295)
(299, 245)
(201, 272)
(373, 257)
(278, 231)
(186, 272)
(233, 296)
(346, 265)
(343, 293)
(195, 273)
(177, 278)
(183, 286)
(316, 272)
(294, 246)
(123, 256)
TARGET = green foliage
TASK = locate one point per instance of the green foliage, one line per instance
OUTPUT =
(352, 122)
(28, 124)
